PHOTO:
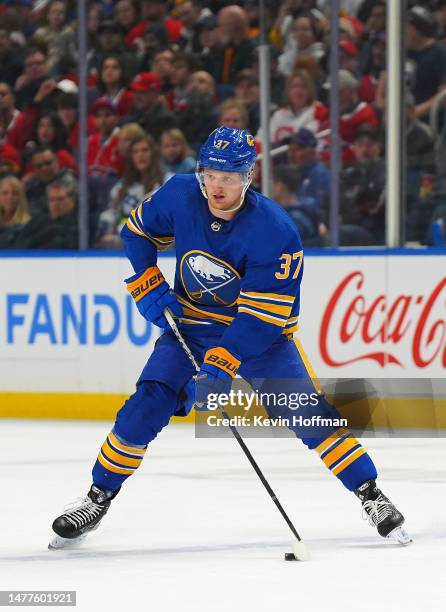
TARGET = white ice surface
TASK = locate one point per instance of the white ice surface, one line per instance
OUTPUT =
(195, 530)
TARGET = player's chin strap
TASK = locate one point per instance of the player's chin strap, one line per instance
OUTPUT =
(247, 180)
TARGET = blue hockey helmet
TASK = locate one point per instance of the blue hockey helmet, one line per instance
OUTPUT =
(229, 150)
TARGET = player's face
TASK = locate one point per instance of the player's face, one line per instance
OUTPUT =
(224, 189)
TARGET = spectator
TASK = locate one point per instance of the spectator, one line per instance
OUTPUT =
(233, 114)
(373, 70)
(10, 162)
(348, 56)
(34, 84)
(184, 64)
(247, 91)
(199, 116)
(50, 132)
(112, 84)
(45, 169)
(313, 176)
(162, 66)
(428, 57)
(105, 162)
(237, 50)
(208, 37)
(110, 42)
(11, 59)
(374, 18)
(57, 36)
(143, 176)
(362, 189)
(66, 108)
(14, 125)
(127, 134)
(439, 10)
(354, 113)
(126, 13)
(57, 226)
(154, 39)
(14, 213)
(303, 211)
(191, 15)
(176, 155)
(306, 41)
(155, 12)
(419, 141)
(149, 106)
(301, 110)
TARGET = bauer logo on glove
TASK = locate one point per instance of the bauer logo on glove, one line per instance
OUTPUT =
(152, 295)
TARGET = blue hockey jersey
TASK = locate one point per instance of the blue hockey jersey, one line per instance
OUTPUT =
(237, 280)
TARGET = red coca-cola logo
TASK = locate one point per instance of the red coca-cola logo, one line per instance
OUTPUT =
(381, 325)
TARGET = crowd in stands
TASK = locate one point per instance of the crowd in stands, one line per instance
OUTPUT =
(163, 74)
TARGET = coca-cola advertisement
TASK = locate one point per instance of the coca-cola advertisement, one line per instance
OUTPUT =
(375, 316)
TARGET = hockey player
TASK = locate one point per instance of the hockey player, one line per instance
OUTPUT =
(239, 265)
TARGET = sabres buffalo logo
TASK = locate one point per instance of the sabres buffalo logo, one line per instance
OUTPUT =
(209, 280)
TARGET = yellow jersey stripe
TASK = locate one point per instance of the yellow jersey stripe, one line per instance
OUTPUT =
(309, 367)
(348, 460)
(113, 468)
(114, 456)
(340, 450)
(131, 225)
(331, 440)
(133, 450)
(276, 297)
(209, 315)
(282, 310)
(262, 317)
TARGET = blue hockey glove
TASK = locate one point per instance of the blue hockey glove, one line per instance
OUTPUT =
(152, 295)
(215, 376)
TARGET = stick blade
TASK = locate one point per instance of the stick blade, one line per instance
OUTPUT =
(300, 551)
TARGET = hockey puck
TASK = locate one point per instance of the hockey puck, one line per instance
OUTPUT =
(290, 557)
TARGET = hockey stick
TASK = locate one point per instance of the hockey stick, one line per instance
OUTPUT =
(300, 550)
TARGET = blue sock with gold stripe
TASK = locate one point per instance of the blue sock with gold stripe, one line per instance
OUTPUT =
(117, 460)
(347, 459)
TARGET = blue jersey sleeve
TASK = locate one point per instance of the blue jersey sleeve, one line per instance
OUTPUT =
(150, 227)
(268, 304)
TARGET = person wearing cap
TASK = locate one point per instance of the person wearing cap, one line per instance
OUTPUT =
(104, 157)
(246, 89)
(149, 106)
(303, 211)
(208, 37)
(313, 176)
(348, 56)
(428, 59)
(110, 40)
(362, 187)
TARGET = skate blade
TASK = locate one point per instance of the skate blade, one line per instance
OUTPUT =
(58, 542)
(400, 535)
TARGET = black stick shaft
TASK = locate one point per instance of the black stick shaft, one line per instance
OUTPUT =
(259, 473)
(234, 430)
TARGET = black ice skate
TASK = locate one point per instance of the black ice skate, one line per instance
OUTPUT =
(83, 516)
(381, 513)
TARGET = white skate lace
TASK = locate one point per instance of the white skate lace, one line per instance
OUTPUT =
(82, 511)
(377, 510)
